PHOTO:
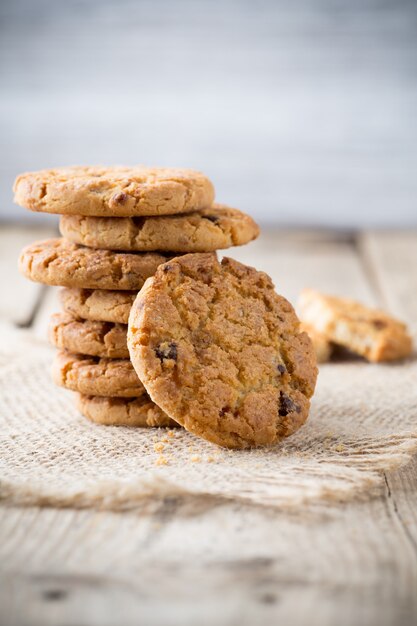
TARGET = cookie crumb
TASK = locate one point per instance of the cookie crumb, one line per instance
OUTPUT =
(161, 460)
(158, 447)
(196, 459)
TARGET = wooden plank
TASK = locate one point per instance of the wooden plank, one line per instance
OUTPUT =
(21, 296)
(206, 564)
(391, 261)
(200, 562)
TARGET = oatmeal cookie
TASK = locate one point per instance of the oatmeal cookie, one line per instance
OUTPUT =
(94, 376)
(104, 305)
(368, 332)
(61, 262)
(114, 191)
(221, 353)
(211, 229)
(136, 412)
(322, 346)
(87, 337)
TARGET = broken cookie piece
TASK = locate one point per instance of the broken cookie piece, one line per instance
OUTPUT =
(368, 332)
(322, 346)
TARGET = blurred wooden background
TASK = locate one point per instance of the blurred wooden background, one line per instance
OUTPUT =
(301, 112)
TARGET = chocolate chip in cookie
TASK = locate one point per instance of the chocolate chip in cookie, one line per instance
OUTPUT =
(286, 405)
(167, 350)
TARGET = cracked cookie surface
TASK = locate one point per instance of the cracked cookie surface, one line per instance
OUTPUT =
(211, 229)
(114, 191)
(368, 332)
(105, 305)
(63, 263)
(94, 376)
(103, 339)
(137, 412)
(221, 353)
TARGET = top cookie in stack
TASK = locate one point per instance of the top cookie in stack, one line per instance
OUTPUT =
(156, 209)
(118, 225)
(114, 191)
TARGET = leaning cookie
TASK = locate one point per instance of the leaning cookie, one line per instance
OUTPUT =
(221, 353)
(63, 263)
(114, 191)
(137, 412)
(102, 339)
(95, 376)
(211, 229)
(104, 305)
(368, 332)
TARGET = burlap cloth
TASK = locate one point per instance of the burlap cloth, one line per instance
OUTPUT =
(363, 421)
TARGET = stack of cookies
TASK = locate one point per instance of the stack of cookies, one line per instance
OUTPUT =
(156, 331)
(118, 226)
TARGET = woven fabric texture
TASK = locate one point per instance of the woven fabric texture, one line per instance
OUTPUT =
(363, 421)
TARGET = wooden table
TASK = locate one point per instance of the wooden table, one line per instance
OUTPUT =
(225, 564)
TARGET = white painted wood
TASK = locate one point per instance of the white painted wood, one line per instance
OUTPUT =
(208, 564)
(301, 112)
